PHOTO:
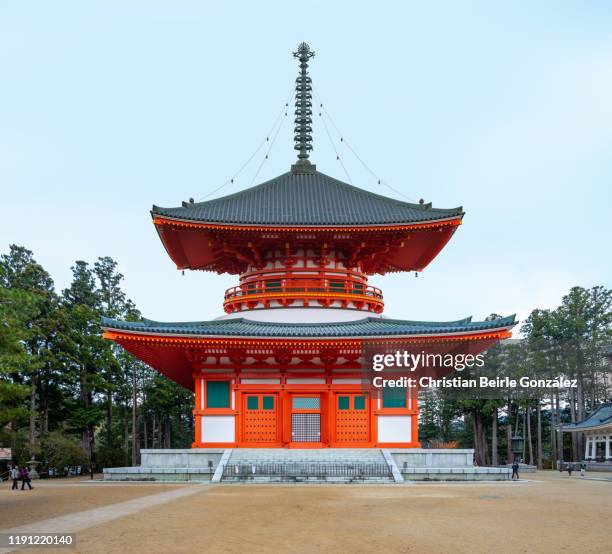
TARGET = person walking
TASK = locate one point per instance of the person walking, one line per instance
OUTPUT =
(583, 467)
(25, 478)
(15, 477)
(515, 468)
(570, 468)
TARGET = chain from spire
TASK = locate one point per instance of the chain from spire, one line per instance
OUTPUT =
(303, 110)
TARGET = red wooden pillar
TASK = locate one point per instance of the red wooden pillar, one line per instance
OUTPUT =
(325, 415)
(285, 399)
(414, 418)
(197, 412)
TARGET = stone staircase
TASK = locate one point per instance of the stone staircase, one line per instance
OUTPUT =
(326, 465)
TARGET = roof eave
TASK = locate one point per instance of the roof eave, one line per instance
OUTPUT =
(157, 215)
(603, 425)
(309, 338)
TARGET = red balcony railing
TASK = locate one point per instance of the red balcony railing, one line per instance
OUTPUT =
(290, 292)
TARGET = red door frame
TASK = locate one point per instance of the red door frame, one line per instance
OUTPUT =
(334, 419)
(242, 403)
(322, 411)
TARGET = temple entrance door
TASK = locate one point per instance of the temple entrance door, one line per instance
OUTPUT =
(260, 421)
(306, 418)
(352, 418)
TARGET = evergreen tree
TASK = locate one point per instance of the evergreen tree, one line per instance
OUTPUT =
(20, 272)
(87, 352)
(16, 308)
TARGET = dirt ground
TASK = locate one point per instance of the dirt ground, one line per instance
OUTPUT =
(550, 514)
(64, 496)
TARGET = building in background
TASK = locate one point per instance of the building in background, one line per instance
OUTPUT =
(597, 429)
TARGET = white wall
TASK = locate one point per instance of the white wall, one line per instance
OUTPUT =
(302, 315)
(218, 429)
(394, 428)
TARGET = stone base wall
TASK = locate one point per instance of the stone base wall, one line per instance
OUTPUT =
(432, 457)
(181, 457)
(597, 466)
(457, 474)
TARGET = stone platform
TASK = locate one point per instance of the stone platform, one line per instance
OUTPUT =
(329, 465)
(185, 464)
(444, 464)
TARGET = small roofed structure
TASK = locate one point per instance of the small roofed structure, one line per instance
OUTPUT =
(598, 433)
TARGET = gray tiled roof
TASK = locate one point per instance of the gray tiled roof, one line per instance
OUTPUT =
(367, 327)
(601, 416)
(306, 199)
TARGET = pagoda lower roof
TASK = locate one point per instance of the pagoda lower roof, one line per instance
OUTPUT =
(602, 417)
(367, 327)
(306, 199)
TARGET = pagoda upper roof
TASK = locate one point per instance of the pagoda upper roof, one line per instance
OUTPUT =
(307, 198)
(601, 417)
(367, 327)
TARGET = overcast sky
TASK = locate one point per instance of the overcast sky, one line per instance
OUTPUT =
(504, 108)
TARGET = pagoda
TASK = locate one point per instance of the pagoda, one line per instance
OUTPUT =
(283, 366)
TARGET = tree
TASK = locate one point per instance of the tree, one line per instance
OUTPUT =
(16, 307)
(61, 451)
(39, 327)
(567, 342)
(584, 323)
(76, 384)
(168, 405)
(112, 303)
(87, 350)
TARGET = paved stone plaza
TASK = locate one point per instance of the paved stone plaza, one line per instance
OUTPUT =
(546, 513)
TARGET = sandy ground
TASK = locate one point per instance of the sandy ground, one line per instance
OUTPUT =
(551, 514)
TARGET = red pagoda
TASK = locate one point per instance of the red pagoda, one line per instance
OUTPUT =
(283, 366)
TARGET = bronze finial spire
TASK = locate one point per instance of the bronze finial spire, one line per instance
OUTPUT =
(303, 110)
